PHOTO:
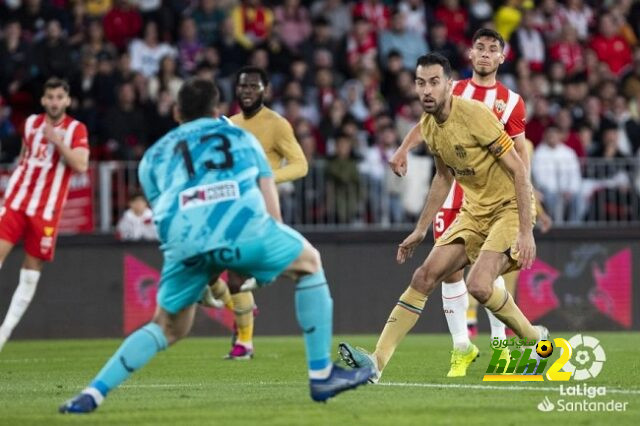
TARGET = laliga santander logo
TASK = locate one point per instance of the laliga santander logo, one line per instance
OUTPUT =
(581, 357)
(589, 357)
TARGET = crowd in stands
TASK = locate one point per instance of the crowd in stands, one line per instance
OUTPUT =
(342, 74)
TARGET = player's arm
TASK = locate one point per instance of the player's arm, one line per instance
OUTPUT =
(520, 145)
(398, 161)
(75, 157)
(288, 147)
(266, 180)
(526, 246)
(440, 187)
(270, 195)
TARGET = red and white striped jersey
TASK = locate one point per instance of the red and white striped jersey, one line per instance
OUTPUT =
(506, 104)
(40, 183)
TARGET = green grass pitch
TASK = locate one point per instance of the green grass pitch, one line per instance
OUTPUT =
(191, 384)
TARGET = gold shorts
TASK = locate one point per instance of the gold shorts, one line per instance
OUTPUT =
(497, 233)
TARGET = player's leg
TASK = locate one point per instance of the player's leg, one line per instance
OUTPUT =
(243, 307)
(472, 315)
(510, 284)
(314, 312)
(441, 262)
(282, 250)
(36, 255)
(480, 284)
(218, 290)
(181, 286)
(497, 327)
(454, 291)
(455, 303)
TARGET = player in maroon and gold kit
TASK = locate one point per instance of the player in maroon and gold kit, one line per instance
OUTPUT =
(54, 146)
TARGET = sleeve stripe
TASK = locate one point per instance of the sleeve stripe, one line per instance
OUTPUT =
(511, 104)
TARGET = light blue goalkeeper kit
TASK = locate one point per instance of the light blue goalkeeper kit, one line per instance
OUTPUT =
(201, 180)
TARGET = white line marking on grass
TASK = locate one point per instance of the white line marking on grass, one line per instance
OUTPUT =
(493, 387)
(164, 385)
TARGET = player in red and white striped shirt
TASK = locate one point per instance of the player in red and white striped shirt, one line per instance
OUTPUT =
(54, 146)
(486, 55)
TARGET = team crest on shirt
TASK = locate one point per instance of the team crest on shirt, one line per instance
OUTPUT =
(48, 231)
(460, 151)
(500, 105)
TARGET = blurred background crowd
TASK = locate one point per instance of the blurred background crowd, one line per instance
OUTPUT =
(342, 74)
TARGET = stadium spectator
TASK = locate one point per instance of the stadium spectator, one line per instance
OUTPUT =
(14, 59)
(52, 55)
(137, 221)
(508, 18)
(568, 135)
(208, 17)
(529, 44)
(578, 15)
(147, 52)
(455, 18)
(343, 179)
(610, 46)
(95, 43)
(165, 79)
(235, 56)
(630, 83)
(375, 12)
(122, 23)
(556, 173)
(98, 8)
(295, 23)
(540, 120)
(417, 15)
(321, 38)
(568, 50)
(440, 43)
(480, 13)
(399, 38)
(252, 22)
(190, 49)
(336, 12)
(9, 138)
(383, 189)
(124, 133)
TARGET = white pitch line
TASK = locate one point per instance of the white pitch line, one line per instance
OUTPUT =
(493, 387)
(398, 384)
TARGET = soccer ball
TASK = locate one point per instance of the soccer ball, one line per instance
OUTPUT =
(544, 348)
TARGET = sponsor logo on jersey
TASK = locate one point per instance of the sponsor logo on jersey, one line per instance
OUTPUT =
(209, 194)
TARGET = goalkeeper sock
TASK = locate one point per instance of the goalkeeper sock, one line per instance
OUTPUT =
(134, 353)
(314, 312)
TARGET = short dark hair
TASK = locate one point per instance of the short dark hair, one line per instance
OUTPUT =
(198, 97)
(489, 33)
(435, 59)
(55, 83)
(253, 70)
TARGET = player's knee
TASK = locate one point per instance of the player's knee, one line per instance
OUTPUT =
(424, 279)
(310, 260)
(479, 287)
